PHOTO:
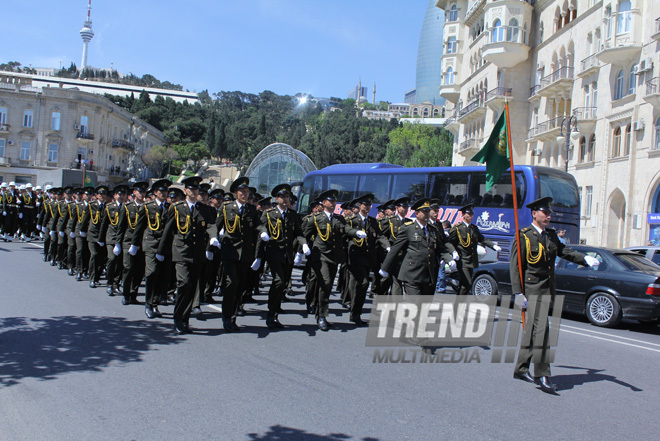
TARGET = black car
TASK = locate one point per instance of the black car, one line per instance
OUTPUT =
(624, 285)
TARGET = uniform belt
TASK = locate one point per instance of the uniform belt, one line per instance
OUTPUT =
(12, 205)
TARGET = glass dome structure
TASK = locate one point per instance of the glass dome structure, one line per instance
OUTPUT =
(278, 163)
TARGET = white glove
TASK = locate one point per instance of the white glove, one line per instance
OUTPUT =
(388, 249)
(53, 234)
(116, 250)
(83, 234)
(455, 255)
(72, 235)
(306, 249)
(214, 242)
(383, 273)
(497, 248)
(18, 201)
(132, 250)
(61, 233)
(298, 260)
(256, 264)
(360, 234)
(44, 229)
(221, 234)
(20, 215)
(481, 251)
(160, 257)
(38, 204)
(452, 266)
(265, 237)
(4, 213)
(209, 255)
(101, 244)
(592, 261)
(521, 299)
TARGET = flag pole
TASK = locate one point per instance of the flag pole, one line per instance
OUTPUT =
(515, 203)
(83, 181)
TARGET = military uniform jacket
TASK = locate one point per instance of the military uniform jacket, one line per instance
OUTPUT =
(239, 242)
(390, 226)
(538, 261)
(286, 235)
(364, 251)
(186, 234)
(28, 204)
(48, 213)
(71, 218)
(329, 235)
(110, 225)
(128, 220)
(81, 212)
(96, 216)
(465, 239)
(9, 202)
(421, 254)
(151, 224)
(62, 215)
(41, 209)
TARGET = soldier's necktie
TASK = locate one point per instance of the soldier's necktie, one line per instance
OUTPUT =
(240, 210)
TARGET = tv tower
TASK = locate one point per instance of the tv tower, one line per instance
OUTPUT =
(86, 33)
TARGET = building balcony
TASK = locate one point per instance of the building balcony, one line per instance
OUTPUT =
(619, 50)
(656, 32)
(545, 131)
(586, 118)
(496, 98)
(452, 124)
(469, 147)
(589, 65)
(8, 86)
(506, 46)
(652, 95)
(475, 109)
(4, 128)
(450, 92)
(558, 83)
(84, 137)
(122, 144)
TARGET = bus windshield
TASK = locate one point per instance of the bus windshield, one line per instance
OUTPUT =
(560, 187)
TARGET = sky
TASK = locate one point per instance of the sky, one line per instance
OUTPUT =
(320, 47)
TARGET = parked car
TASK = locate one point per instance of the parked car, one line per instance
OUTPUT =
(650, 252)
(624, 285)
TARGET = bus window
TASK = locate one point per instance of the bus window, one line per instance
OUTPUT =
(310, 189)
(412, 185)
(450, 188)
(345, 184)
(500, 195)
(561, 187)
(379, 185)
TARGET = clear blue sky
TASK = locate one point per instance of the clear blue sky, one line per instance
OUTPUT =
(319, 47)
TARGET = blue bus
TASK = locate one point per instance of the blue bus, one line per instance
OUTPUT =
(456, 187)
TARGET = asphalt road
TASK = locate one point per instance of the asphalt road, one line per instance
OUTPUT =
(77, 365)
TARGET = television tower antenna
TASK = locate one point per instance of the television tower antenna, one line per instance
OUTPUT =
(86, 33)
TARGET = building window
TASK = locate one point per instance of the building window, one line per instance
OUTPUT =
(656, 143)
(453, 13)
(618, 86)
(497, 33)
(451, 45)
(590, 148)
(513, 32)
(2, 147)
(623, 17)
(52, 152)
(449, 76)
(588, 200)
(627, 141)
(632, 80)
(594, 94)
(583, 149)
(27, 118)
(25, 150)
(616, 143)
(3, 115)
(55, 120)
(84, 124)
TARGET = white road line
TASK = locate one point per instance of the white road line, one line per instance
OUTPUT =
(611, 341)
(610, 335)
(214, 307)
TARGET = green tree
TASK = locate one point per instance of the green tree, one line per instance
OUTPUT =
(419, 145)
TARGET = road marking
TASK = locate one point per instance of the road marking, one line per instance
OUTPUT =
(215, 307)
(610, 335)
(611, 341)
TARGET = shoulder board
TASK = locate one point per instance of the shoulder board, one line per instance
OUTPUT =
(407, 221)
(271, 209)
(525, 230)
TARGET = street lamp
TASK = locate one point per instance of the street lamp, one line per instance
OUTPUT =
(569, 123)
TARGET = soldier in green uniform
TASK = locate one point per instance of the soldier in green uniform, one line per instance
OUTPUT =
(238, 223)
(465, 237)
(82, 224)
(70, 232)
(377, 283)
(213, 274)
(390, 229)
(46, 216)
(539, 246)
(28, 212)
(342, 278)
(281, 234)
(189, 224)
(310, 284)
(60, 227)
(152, 217)
(419, 249)
(111, 235)
(329, 231)
(133, 259)
(97, 252)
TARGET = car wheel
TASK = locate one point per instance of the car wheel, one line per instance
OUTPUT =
(484, 286)
(603, 310)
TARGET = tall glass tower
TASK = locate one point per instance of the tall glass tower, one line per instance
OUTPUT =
(429, 53)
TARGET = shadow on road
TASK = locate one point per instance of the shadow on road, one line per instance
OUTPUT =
(281, 433)
(566, 382)
(46, 348)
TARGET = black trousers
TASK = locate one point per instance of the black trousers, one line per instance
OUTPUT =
(187, 278)
(96, 261)
(418, 289)
(358, 284)
(62, 244)
(82, 255)
(324, 273)
(10, 223)
(157, 279)
(115, 265)
(280, 271)
(133, 271)
(234, 284)
(464, 278)
(71, 252)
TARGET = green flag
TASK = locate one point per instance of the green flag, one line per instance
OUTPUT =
(495, 153)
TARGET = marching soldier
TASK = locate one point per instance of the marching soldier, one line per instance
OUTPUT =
(134, 263)
(60, 227)
(82, 224)
(240, 221)
(111, 235)
(419, 248)
(28, 212)
(380, 285)
(56, 213)
(152, 217)
(307, 278)
(70, 231)
(282, 233)
(390, 228)
(213, 273)
(97, 252)
(465, 237)
(329, 232)
(539, 246)
(189, 224)
(45, 220)
(10, 206)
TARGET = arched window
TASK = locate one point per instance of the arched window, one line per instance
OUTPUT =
(623, 17)
(497, 33)
(618, 86)
(591, 147)
(513, 32)
(627, 141)
(656, 141)
(453, 13)
(449, 76)
(632, 81)
(583, 149)
(616, 143)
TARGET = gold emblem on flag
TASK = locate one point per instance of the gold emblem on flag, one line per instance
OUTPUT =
(501, 145)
